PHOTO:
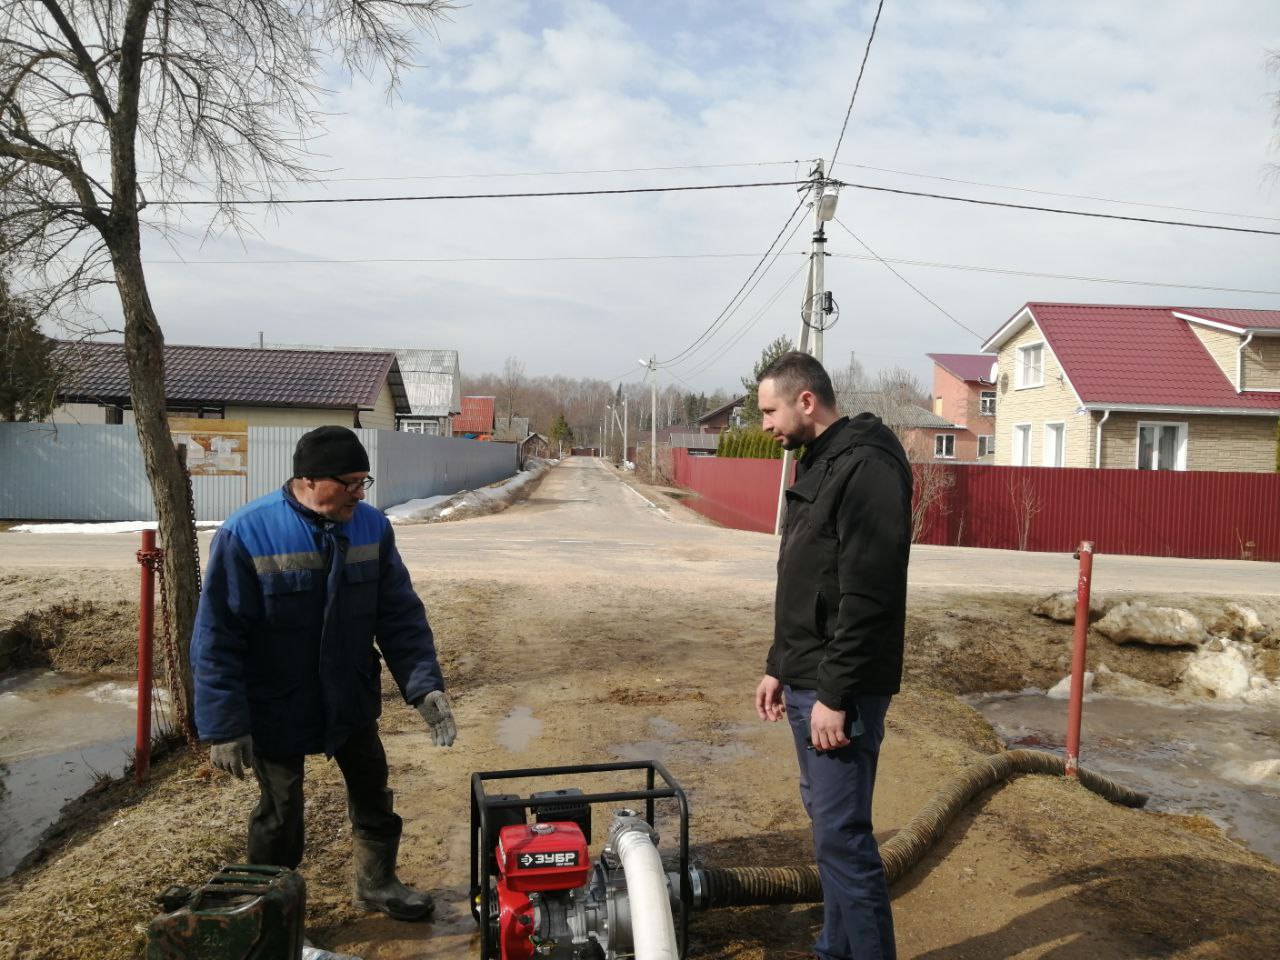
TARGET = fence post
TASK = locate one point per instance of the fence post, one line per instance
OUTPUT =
(146, 608)
(1075, 707)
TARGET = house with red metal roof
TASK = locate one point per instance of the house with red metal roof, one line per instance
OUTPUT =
(1148, 388)
(964, 393)
(263, 388)
(476, 419)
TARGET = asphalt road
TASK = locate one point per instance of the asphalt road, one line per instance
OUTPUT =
(584, 518)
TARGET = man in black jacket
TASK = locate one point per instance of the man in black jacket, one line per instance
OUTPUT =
(839, 618)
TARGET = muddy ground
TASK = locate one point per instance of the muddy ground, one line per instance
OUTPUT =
(611, 668)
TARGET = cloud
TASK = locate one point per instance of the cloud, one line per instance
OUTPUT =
(1090, 98)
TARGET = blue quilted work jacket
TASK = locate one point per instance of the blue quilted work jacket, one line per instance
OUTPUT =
(284, 640)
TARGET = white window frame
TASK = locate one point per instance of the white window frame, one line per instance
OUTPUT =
(944, 437)
(1180, 457)
(1050, 455)
(1023, 448)
(984, 396)
(989, 441)
(1020, 366)
(423, 427)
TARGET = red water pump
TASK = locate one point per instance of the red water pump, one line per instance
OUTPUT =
(538, 864)
(537, 892)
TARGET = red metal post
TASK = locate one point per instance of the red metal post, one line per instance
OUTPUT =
(1075, 705)
(146, 607)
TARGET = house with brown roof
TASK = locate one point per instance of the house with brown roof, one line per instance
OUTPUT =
(965, 394)
(265, 388)
(432, 381)
(727, 416)
(1147, 388)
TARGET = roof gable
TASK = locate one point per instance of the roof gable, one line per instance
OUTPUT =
(969, 367)
(723, 408)
(476, 415)
(239, 375)
(1242, 321)
(432, 378)
(1135, 356)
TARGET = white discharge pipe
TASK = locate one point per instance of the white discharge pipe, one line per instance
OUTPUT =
(653, 929)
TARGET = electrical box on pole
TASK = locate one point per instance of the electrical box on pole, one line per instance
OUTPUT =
(813, 309)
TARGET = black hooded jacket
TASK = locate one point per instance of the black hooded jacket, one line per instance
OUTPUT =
(840, 611)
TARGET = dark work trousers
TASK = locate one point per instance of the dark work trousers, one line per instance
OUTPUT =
(836, 787)
(275, 826)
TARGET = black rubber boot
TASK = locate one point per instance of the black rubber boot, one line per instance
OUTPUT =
(376, 886)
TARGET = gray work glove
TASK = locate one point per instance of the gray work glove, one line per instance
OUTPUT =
(233, 756)
(436, 711)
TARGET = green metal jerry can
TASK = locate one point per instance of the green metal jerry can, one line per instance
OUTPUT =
(243, 913)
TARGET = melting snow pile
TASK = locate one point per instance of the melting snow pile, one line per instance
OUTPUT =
(124, 526)
(1230, 674)
(470, 503)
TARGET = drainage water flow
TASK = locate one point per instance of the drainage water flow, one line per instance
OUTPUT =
(1220, 760)
(58, 734)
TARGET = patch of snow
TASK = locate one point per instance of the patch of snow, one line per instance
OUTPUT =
(1259, 772)
(408, 509)
(114, 693)
(1062, 689)
(1230, 674)
(123, 526)
(489, 499)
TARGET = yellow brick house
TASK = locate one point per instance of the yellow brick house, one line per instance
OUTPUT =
(1134, 387)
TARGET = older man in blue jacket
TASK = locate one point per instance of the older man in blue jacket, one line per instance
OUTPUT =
(301, 585)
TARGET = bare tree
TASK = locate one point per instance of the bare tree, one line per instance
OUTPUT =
(1026, 503)
(512, 382)
(111, 107)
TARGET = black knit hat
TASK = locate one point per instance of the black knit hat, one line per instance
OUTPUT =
(329, 452)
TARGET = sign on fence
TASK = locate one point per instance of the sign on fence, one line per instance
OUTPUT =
(215, 448)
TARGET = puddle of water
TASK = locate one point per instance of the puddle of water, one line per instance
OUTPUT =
(518, 729)
(670, 746)
(1218, 760)
(57, 735)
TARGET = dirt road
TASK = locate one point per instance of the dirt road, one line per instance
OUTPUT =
(591, 623)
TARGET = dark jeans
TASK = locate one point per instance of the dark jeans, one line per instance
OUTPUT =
(276, 825)
(836, 787)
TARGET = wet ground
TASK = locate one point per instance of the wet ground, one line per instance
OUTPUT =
(58, 735)
(1221, 761)
(588, 624)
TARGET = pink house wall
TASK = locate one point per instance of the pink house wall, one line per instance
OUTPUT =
(961, 404)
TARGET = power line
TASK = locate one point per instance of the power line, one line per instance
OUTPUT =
(746, 327)
(932, 264)
(721, 317)
(551, 259)
(473, 196)
(857, 83)
(1073, 196)
(743, 299)
(1056, 276)
(924, 295)
(714, 186)
(523, 173)
(1071, 213)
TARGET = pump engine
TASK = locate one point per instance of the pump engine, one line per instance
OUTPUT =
(538, 892)
(554, 902)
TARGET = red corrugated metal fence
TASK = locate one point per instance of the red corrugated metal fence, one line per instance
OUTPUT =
(739, 493)
(1140, 512)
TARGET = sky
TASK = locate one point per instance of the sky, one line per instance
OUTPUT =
(1098, 99)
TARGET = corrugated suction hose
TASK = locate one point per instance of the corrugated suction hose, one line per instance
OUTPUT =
(750, 886)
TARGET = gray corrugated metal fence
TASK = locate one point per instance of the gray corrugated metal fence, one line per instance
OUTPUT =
(95, 473)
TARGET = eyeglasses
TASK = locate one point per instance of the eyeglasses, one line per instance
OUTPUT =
(352, 486)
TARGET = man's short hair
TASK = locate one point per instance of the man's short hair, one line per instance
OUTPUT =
(795, 371)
